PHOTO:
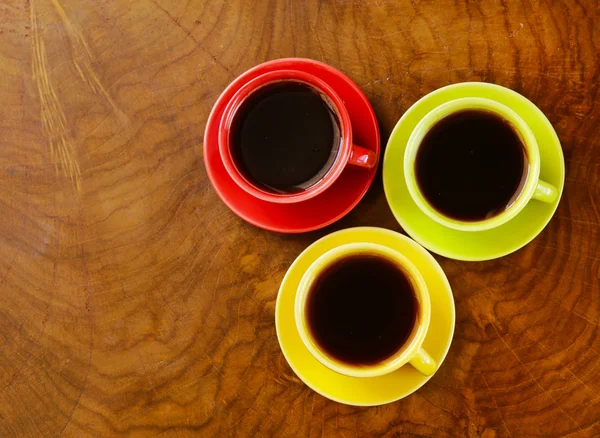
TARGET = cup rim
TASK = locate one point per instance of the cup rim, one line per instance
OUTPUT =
(463, 104)
(252, 86)
(417, 337)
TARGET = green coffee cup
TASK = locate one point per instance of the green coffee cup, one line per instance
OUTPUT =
(532, 188)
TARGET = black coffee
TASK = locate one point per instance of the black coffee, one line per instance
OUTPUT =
(471, 165)
(285, 137)
(362, 309)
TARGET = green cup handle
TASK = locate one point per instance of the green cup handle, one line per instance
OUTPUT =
(545, 192)
(423, 362)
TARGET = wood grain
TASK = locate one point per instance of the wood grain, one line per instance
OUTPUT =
(133, 302)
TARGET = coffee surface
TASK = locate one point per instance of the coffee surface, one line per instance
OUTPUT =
(285, 137)
(362, 309)
(471, 165)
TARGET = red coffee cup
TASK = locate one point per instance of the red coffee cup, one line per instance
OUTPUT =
(348, 153)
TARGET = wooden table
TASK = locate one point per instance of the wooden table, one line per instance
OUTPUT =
(133, 302)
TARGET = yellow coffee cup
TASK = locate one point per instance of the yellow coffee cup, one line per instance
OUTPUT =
(411, 351)
(531, 188)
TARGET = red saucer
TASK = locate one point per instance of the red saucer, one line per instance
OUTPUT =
(323, 209)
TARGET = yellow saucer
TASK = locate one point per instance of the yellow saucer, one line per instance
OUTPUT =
(376, 390)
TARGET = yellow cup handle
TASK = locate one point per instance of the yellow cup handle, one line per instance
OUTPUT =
(545, 192)
(423, 362)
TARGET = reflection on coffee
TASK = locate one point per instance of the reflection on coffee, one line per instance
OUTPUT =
(471, 165)
(362, 309)
(285, 137)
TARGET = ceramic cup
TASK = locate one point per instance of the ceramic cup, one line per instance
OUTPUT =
(532, 188)
(348, 153)
(411, 352)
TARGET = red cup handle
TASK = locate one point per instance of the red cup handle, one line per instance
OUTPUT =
(362, 157)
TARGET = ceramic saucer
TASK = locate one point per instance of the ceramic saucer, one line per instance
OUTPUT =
(480, 245)
(323, 209)
(376, 390)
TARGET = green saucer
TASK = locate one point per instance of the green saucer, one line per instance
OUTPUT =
(478, 245)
